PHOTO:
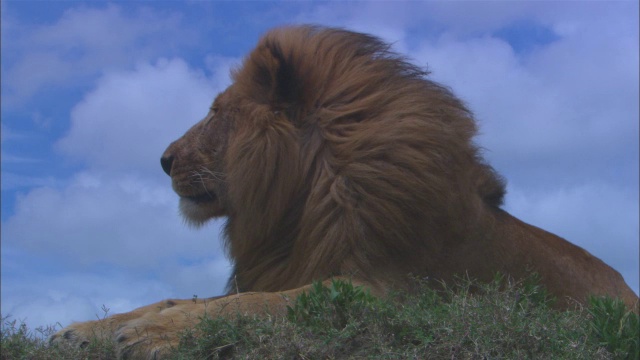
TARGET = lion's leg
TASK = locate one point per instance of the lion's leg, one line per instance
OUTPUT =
(149, 332)
(81, 334)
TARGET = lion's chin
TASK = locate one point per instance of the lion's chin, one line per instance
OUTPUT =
(197, 211)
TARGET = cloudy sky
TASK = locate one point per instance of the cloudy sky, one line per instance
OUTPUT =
(93, 92)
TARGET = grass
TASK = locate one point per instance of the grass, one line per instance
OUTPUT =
(499, 320)
(18, 342)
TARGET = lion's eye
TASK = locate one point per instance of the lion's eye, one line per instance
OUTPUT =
(212, 114)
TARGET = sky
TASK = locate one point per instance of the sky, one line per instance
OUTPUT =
(93, 92)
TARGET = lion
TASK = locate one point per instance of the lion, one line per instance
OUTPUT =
(333, 157)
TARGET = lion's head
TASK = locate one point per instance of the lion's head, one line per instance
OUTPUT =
(331, 155)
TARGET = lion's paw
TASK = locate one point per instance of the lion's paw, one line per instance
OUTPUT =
(134, 339)
(70, 336)
(145, 339)
(145, 333)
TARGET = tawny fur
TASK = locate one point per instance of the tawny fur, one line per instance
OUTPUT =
(331, 156)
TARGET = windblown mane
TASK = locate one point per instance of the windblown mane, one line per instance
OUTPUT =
(352, 163)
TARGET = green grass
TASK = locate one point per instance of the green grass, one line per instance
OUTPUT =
(466, 320)
(18, 342)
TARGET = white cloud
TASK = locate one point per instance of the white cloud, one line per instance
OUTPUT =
(119, 213)
(219, 67)
(574, 99)
(203, 279)
(84, 42)
(388, 23)
(598, 217)
(126, 221)
(42, 299)
(95, 223)
(520, 115)
(11, 181)
(131, 117)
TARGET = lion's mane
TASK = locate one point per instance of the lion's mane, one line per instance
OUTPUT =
(352, 163)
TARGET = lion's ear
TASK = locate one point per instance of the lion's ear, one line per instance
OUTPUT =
(275, 77)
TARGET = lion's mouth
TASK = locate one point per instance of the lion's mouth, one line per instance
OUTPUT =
(198, 209)
(201, 199)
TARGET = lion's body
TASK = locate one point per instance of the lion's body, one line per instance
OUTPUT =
(333, 157)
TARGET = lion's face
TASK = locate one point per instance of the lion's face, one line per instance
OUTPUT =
(241, 160)
(196, 163)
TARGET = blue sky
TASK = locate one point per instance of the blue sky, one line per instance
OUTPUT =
(93, 92)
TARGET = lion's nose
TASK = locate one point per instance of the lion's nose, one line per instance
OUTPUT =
(166, 161)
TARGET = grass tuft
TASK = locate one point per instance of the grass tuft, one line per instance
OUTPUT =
(465, 319)
(615, 327)
(17, 342)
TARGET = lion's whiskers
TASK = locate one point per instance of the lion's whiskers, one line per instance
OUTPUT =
(204, 175)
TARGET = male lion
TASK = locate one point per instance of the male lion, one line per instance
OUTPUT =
(331, 156)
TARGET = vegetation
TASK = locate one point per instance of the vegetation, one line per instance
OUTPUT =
(18, 342)
(466, 320)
